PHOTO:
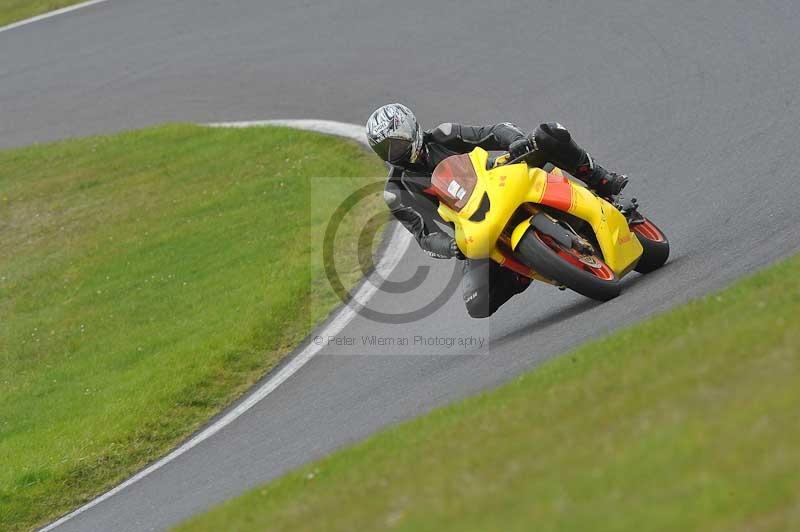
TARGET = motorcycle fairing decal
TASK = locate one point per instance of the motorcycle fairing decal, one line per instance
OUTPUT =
(558, 192)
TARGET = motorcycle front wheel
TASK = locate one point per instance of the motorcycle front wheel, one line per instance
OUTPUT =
(586, 274)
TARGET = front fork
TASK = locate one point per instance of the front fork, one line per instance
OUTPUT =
(504, 251)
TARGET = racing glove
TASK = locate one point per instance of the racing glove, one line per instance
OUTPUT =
(440, 246)
(521, 146)
(454, 249)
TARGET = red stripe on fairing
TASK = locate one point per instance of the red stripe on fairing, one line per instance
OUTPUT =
(557, 192)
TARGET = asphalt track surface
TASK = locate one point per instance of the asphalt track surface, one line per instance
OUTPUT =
(697, 101)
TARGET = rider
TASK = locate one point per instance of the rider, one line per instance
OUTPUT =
(394, 134)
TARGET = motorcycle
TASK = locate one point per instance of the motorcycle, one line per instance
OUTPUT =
(544, 226)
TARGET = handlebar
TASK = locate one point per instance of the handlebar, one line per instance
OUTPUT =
(518, 159)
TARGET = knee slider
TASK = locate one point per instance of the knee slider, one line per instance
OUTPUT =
(477, 288)
(478, 305)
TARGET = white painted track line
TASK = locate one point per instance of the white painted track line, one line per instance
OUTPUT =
(50, 14)
(394, 250)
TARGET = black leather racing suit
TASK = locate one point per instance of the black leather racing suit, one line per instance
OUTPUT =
(485, 285)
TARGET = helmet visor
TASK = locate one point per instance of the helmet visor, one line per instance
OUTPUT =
(399, 150)
(401, 142)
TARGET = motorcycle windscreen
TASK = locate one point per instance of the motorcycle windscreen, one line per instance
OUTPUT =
(453, 181)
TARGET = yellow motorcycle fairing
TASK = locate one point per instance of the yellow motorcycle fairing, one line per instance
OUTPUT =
(504, 189)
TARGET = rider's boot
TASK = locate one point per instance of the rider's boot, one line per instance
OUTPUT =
(604, 183)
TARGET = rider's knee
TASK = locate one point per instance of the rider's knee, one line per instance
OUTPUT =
(555, 145)
(551, 136)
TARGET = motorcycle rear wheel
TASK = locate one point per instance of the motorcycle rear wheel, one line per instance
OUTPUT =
(550, 259)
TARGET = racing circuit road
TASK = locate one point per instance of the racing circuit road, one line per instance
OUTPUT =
(697, 101)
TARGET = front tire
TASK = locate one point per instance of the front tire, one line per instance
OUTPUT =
(551, 260)
(655, 244)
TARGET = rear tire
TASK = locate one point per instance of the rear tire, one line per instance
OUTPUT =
(655, 244)
(534, 252)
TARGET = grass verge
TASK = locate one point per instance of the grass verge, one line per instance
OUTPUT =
(146, 279)
(16, 10)
(688, 421)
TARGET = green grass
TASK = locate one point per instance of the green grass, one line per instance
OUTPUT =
(689, 421)
(146, 279)
(15, 10)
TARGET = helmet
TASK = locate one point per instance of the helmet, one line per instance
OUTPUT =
(393, 133)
